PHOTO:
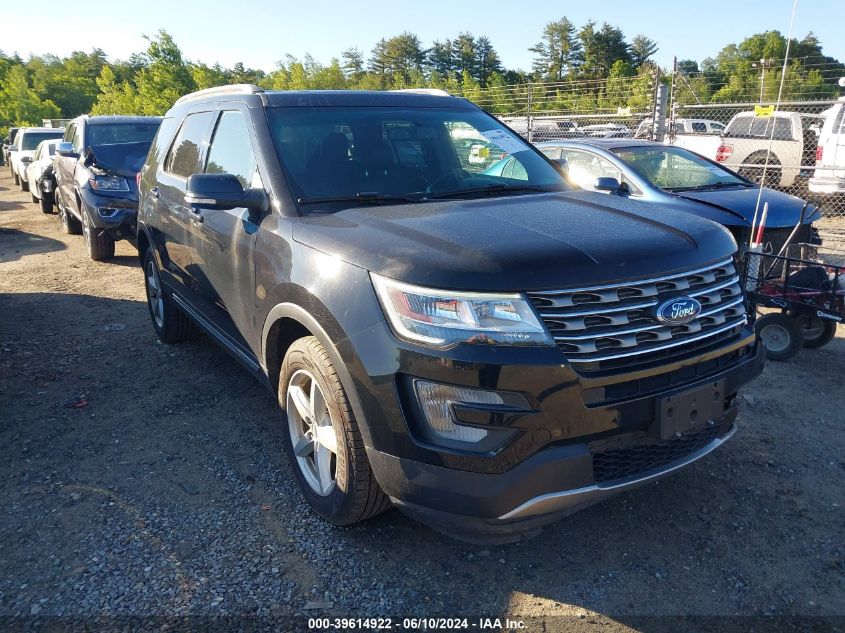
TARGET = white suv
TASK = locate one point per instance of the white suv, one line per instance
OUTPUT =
(23, 151)
(829, 176)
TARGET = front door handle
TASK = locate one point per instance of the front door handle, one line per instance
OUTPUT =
(154, 192)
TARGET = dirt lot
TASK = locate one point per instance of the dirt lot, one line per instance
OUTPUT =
(139, 479)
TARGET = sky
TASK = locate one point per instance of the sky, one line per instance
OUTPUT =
(260, 32)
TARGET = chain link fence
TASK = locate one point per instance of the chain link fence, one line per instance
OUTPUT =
(797, 148)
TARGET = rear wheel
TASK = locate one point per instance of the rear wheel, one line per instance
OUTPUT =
(70, 224)
(170, 323)
(24, 184)
(322, 438)
(780, 334)
(33, 197)
(99, 243)
(16, 177)
(756, 163)
(817, 332)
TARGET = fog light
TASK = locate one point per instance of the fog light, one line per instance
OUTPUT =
(106, 212)
(436, 402)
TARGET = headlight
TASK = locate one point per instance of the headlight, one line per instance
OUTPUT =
(442, 318)
(109, 183)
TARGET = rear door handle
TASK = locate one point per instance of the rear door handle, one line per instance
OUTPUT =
(154, 192)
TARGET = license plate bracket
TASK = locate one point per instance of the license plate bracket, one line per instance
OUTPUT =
(683, 412)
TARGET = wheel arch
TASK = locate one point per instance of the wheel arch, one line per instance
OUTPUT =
(287, 322)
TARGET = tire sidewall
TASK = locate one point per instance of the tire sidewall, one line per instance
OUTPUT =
(149, 258)
(336, 504)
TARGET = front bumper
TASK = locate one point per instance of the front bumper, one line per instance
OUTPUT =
(546, 470)
(112, 213)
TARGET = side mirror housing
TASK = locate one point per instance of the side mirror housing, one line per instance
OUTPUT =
(66, 149)
(605, 183)
(222, 192)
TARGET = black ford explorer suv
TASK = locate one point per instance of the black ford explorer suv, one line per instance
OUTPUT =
(487, 353)
(96, 168)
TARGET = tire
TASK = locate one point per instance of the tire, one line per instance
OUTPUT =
(46, 203)
(16, 177)
(34, 199)
(171, 325)
(100, 244)
(756, 173)
(780, 334)
(24, 184)
(816, 332)
(70, 225)
(345, 491)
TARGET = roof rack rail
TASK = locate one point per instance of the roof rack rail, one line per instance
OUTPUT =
(232, 89)
(437, 92)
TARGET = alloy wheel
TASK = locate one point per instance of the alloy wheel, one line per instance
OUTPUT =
(154, 296)
(312, 433)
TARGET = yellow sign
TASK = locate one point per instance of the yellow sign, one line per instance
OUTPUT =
(768, 110)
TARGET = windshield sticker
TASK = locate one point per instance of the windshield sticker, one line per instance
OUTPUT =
(504, 141)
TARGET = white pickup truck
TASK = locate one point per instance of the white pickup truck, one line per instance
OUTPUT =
(744, 146)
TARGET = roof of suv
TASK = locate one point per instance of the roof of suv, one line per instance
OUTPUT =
(116, 118)
(364, 98)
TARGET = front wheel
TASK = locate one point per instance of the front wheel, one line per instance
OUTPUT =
(322, 438)
(780, 334)
(46, 203)
(100, 244)
(24, 184)
(170, 323)
(817, 332)
(16, 177)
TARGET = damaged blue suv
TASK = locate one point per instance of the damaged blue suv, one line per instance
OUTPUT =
(485, 353)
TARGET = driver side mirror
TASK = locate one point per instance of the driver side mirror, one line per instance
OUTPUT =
(604, 183)
(66, 149)
(222, 192)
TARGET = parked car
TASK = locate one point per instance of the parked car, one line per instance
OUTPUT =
(96, 168)
(744, 146)
(7, 147)
(548, 130)
(485, 353)
(607, 130)
(22, 152)
(41, 166)
(829, 175)
(682, 126)
(658, 173)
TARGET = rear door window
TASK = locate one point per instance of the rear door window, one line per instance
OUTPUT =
(183, 159)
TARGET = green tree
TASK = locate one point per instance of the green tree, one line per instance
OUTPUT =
(166, 78)
(20, 104)
(487, 61)
(559, 52)
(642, 48)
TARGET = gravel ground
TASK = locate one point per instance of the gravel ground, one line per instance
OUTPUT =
(138, 479)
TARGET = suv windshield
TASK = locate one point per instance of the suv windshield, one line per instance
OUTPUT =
(105, 133)
(30, 140)
(675, 169)
(389, 153)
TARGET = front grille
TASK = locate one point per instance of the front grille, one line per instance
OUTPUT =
(614, 326)
(618, 464)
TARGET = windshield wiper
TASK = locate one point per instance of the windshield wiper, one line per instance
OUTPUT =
(362, 197)
(494, 189)
(716, 185)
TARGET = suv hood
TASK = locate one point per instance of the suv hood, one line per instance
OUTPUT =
(514, 243)
(124, 159)
(784, 210)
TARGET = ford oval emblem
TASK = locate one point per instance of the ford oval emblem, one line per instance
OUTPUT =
(678, 311)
